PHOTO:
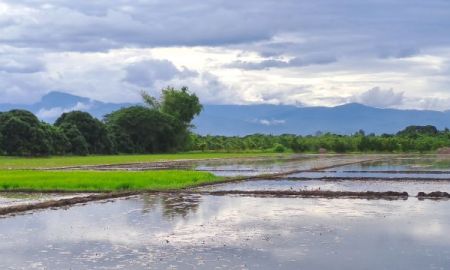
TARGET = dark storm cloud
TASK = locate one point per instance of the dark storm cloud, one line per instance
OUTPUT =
(146, 73)
(384, 28)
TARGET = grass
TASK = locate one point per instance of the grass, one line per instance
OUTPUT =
(11, 180)
(52, 162)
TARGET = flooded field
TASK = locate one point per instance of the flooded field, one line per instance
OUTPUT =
(411, 186)
(270, 166)
(231, 232)
(191, 230)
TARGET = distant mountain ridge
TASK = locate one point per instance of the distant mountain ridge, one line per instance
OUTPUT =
(53, 104)
(242, 120)
(344, 119)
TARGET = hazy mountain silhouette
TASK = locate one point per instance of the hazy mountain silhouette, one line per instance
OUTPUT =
(269, 119)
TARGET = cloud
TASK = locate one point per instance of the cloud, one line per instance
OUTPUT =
(20, 64)
(227, 51)
(294, 62)
(52, 113)
(377, 97)
(271, 122)
(372, 26)
(146, 73)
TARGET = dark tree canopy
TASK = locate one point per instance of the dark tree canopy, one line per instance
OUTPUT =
(140, 129)
(162, 126)
(22, 134)
(181, 104)
(414, 131)
(92, 130)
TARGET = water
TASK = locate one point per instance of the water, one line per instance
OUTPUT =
(231, 232)
(192, 231)
(369, 174)
(20, 198)
(427, 163)
(411, 186)
(267, 166)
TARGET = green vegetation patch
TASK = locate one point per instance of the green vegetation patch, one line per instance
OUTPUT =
(101, 180)
(63, 161)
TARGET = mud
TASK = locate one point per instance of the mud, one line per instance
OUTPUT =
(334, 161)
(434, 194)
(342, 178)
(62, 202)
(312, 194)
(393, 171)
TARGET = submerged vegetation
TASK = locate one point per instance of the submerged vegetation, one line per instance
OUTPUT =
(12, 180)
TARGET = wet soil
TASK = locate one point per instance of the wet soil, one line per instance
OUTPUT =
(287, 168)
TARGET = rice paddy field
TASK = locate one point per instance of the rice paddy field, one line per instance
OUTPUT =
(257, 220)
(63, 161)
(101, 181)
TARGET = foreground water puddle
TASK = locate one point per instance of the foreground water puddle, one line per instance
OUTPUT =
(230, 232)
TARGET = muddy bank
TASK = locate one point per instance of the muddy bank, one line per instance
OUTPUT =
(312, 194)
(344, 178)
(392, 171)
(433, 195)
(63, 202)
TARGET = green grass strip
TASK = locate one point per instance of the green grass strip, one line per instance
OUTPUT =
(11, 180)
(52, 162)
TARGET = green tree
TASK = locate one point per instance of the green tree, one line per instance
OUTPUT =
(142, 130)
(179, 103)
(92, 129)
(76, 142)
(23, 134)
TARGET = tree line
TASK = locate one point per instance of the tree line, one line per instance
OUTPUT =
(411, 139)
(160, 126)
(164, 125)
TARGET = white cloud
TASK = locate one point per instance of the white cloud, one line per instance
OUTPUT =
(272, 122)
(377, 97)
(52, 113)
(241, 52)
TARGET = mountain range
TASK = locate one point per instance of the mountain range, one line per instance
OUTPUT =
(269, 119)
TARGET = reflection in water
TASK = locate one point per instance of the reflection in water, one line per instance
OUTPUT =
(179, 205)
(407, 163)
(412, 187)
(262, 166)
(231, 232)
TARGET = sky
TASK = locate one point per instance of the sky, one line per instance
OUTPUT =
(386, 54)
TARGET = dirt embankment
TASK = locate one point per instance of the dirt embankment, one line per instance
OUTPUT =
(63, 202)
(313, 194)
(433, 195)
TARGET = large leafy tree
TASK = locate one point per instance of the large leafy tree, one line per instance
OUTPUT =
(140, 129)
(92, 130)
(23, 134)
(181, 104)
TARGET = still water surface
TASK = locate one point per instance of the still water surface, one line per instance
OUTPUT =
(230, 232)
